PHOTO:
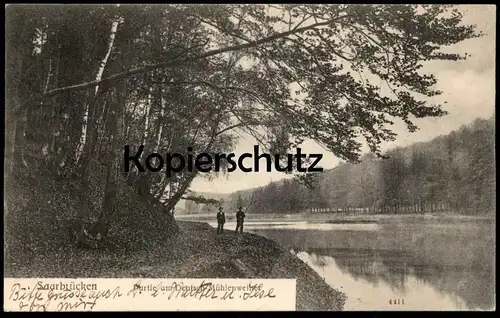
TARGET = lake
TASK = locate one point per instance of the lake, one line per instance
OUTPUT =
(427, 262)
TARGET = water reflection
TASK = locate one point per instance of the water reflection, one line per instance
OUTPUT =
(371, 285)
(370, 281)
(371, 272)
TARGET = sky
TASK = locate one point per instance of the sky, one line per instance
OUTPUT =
(468, 88)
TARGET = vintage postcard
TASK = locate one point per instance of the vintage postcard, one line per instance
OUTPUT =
(281, 157)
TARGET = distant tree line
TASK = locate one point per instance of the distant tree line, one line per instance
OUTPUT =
(453, 173)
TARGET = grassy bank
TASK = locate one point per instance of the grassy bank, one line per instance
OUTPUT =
(37, 245)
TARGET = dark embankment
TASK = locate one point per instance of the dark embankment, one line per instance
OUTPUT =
(40, 211)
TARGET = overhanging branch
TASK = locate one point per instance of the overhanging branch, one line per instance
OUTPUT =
(179, 61)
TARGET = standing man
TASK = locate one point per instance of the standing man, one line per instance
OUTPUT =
(240, 216)
(221, 219)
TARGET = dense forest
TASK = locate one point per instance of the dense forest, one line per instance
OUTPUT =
(84, 81)
(453, 173)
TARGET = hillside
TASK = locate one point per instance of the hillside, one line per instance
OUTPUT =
(37, 220)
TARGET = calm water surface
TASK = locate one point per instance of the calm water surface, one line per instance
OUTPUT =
(428, 266)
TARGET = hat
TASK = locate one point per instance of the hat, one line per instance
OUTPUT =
(240, 208)
(220, 208)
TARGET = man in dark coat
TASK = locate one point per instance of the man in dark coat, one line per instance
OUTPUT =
(221, 219)
(240, 217)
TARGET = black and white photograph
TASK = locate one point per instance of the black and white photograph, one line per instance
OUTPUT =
(344, 150)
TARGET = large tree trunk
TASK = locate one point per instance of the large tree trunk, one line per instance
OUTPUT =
(14, 81)
(114, 178)
(85, 149)
(20, 143)
(10, 142)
